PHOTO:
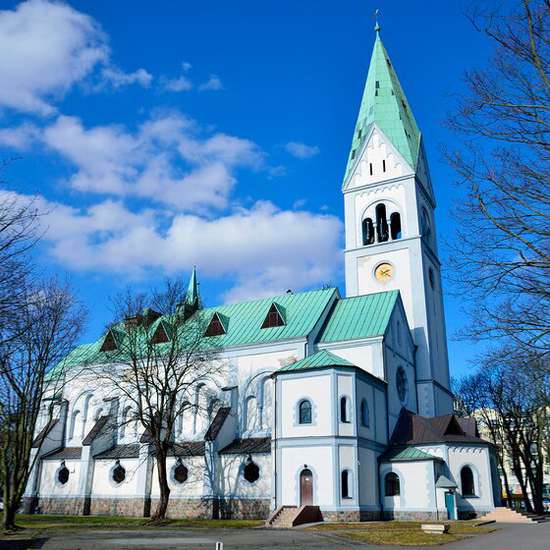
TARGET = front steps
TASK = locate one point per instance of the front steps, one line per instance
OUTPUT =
(507, 515)
(285, 517)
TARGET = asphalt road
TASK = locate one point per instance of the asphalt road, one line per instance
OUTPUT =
(509, 537)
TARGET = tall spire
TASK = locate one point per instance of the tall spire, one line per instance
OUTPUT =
(192, 297)
(384, 104)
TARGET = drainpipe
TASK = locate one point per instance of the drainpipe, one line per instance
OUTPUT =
(275, 476)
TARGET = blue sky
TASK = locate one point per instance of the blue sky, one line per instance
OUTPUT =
(118, 110)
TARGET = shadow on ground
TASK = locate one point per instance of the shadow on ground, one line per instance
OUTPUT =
(23, 544)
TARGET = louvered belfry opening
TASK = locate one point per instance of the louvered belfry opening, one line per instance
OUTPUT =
(273, 318)
(215, 328)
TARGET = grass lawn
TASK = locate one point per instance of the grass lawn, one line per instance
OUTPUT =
(407, 533)
(42, 522)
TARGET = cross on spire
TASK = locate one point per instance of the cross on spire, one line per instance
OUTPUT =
(376, 24)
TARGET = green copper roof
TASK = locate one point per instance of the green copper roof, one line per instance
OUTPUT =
(360, 317)
(406, 454)
(318, 360)
(385, 104)
(242, 322)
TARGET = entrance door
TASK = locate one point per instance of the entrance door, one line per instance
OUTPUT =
(306, 487)
(450, 505)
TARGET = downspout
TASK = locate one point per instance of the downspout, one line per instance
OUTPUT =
(275, 477)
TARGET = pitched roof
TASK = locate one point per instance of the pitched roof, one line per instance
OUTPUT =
(360, 317)
(243, 321)
(320, 359)
(252, 445)
(413, 429)
(39, 439)
(130, 450)
(443, 482)
(217, 423)
(384, 104)
(65, 453)
(96, 429)
(406, 454)
(187, 448)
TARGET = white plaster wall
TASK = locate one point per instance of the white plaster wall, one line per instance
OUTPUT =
(345, 389)
(104, 486)
(318, 390)
(367, 354)
(368, 478)
(234, 484)
(319, 459)
(478, 460)
(381, 417)
(193, 487)
(393, 362)
(417, 486)
(366, 391)
(347, 460)
(49, 486)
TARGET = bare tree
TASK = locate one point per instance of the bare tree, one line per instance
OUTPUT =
(43, 330)
(501, 259)
(511, 396)
(157, 359)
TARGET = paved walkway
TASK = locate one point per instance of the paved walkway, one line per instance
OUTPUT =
(509, 537)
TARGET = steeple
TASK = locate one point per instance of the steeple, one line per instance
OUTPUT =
(192, 297)
(384, 104)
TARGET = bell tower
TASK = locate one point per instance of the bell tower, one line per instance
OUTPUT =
(389, 218)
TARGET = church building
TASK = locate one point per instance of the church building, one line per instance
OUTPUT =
(340, 402)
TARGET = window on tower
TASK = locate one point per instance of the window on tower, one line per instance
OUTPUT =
(368, 231)
(381, 223)
(395, 225)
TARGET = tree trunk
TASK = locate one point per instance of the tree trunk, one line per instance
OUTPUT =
(10, 510)
(160, 512)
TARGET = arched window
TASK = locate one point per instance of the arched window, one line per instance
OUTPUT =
(392, 486)
(467, 482)
(365, 416)
(395, 225)
(381, 223)
(402, 384)
(251, 410)
(367, 229)
(304, 412)
(124, 421)
(74, 420)
(345, 484)
(267, 399)
(425, 224)
(251, 471)
(344, 412)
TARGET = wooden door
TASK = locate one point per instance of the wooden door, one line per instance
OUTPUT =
(450, 505)
(306, 487)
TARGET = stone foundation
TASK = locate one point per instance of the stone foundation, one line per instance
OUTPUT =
(118, 506)
(244, 509)
(351, 515)
(186, 508)
(412, 516)
(72, 506)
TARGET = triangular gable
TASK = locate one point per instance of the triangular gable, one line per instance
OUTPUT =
(453, 427)
(161, 334)
(275, 317)
(217, 325)
(111, 341)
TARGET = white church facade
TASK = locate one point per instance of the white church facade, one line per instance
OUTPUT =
(339, 402)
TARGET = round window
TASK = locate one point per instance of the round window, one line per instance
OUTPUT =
(402, 384)
(119, 474)
(251, 472)
(431, 277)
(63, 475)
(180, 473)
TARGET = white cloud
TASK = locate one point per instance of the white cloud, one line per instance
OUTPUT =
(301, 150)
(264, 250)
(212, 84)
(166, 160)
(181, 84)
(118, 78)
(45, 48)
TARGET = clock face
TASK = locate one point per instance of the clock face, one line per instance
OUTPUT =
(384, 272)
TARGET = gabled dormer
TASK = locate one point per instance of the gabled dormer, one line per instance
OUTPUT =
(275, 316)
(162, 333)
(112, 340)
(217, 325)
